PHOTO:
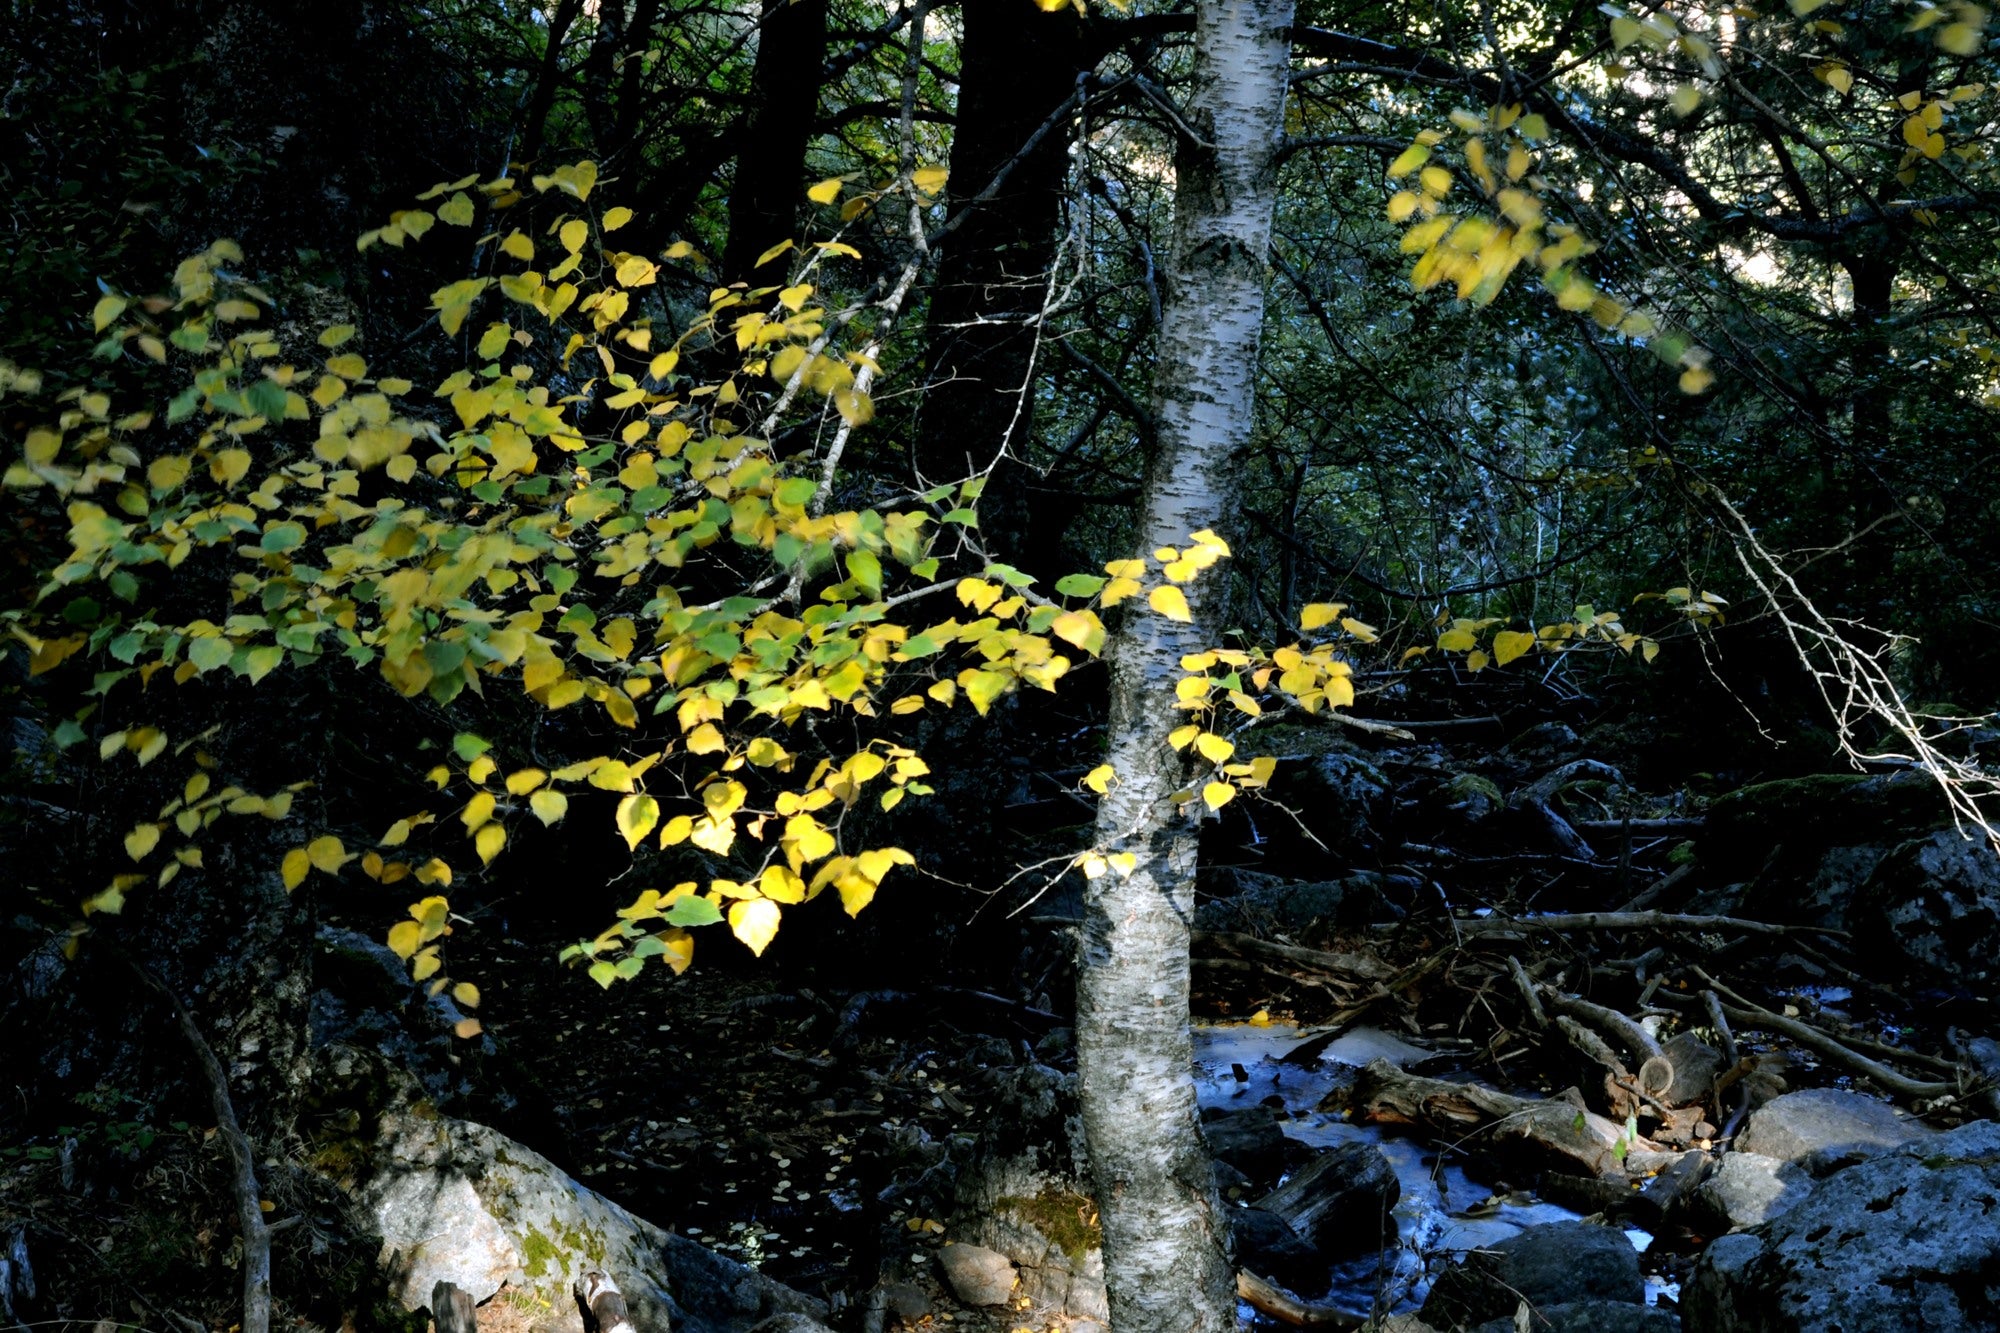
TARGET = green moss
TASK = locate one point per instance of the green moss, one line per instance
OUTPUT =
(1067, 1218)
(538, 1253)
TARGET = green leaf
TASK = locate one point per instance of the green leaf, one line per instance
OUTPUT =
(1080, 585)
(469, 747)
(281, 537)
(693, 911)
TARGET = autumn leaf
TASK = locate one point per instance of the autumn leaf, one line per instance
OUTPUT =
(637, 814)
(755, 922)
(1170, 602)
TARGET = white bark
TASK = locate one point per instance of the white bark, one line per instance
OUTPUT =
(1165, 1240)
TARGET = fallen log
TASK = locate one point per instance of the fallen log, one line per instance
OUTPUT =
(1266, 1298)
(1555, 1128)
(1364, 967)
(1557, 921)
(452, 1309)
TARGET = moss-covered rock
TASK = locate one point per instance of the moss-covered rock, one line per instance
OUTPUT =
(459, 1202)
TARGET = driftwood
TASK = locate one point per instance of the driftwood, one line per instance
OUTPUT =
(1360, 966)
(1557, 921)
(452, 1309)
(243, 1162)
(602, 1303)
(1558, 1127)
(1751, 1014)
(1609, 1021)
(1281, 1305)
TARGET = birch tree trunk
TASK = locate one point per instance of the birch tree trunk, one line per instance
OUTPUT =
(1165, 1242)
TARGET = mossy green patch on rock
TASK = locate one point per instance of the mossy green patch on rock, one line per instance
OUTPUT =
(1820, 810)
(538, 1253)
(1067, 1218)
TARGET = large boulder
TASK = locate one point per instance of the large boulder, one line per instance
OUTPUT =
(1935, 901)
(1902, 1241)
(1566, 1263)
(458, 1202)
(1824, 1129)
(1342, 797)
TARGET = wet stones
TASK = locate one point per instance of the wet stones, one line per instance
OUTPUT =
(1902, 1241)
(1248, 1140)
(1562, 1265)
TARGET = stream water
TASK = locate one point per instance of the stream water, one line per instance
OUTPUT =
(1442, 1213)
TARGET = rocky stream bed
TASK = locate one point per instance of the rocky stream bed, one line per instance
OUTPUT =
(1493, 1043)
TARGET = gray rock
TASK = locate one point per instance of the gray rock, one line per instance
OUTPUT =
(1023, 1193)
(459, 1202)
(978, 1276)
(791, 1323)
(1248, 1140)
(906, 1301)
(1747, 1189)
(1905, 1240)
(1341, 796)
(1936, 902)
(1824, 1129)
(1561, 1264)
(1591, 1317)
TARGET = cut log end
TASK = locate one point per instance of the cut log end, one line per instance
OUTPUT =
(452, 1309)
(603, 1304)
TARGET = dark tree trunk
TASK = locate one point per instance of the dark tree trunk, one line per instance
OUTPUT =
(1018, 66)
(770, 162)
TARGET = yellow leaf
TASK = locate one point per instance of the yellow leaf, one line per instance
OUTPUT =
(781, 885)
(1182, 737)
(677, 830)
(107, 309)
(549, 805)
(1410, 159)
(525, 780)
(1457, 641)
(613, 220)
(1217, 794)
(826, 191)
(706, 739)
(1477, 660)
(140, 842)
(1099, 779)
(1696, 379)
(404, 937)
(573, 234)
(488, 842)
(1214, 748)
(327, 854)
(466, 994)
(1320, 614)
(293, 869)
(426, 964)
(1170, 602)
(637, 814)
(929, 179)
(1124, 863)
(1261, 1019)
(1510, 644)
(466, 1029)
(477, 810)
(754, 922)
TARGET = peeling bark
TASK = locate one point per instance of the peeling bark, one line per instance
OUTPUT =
(1165, 1248)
